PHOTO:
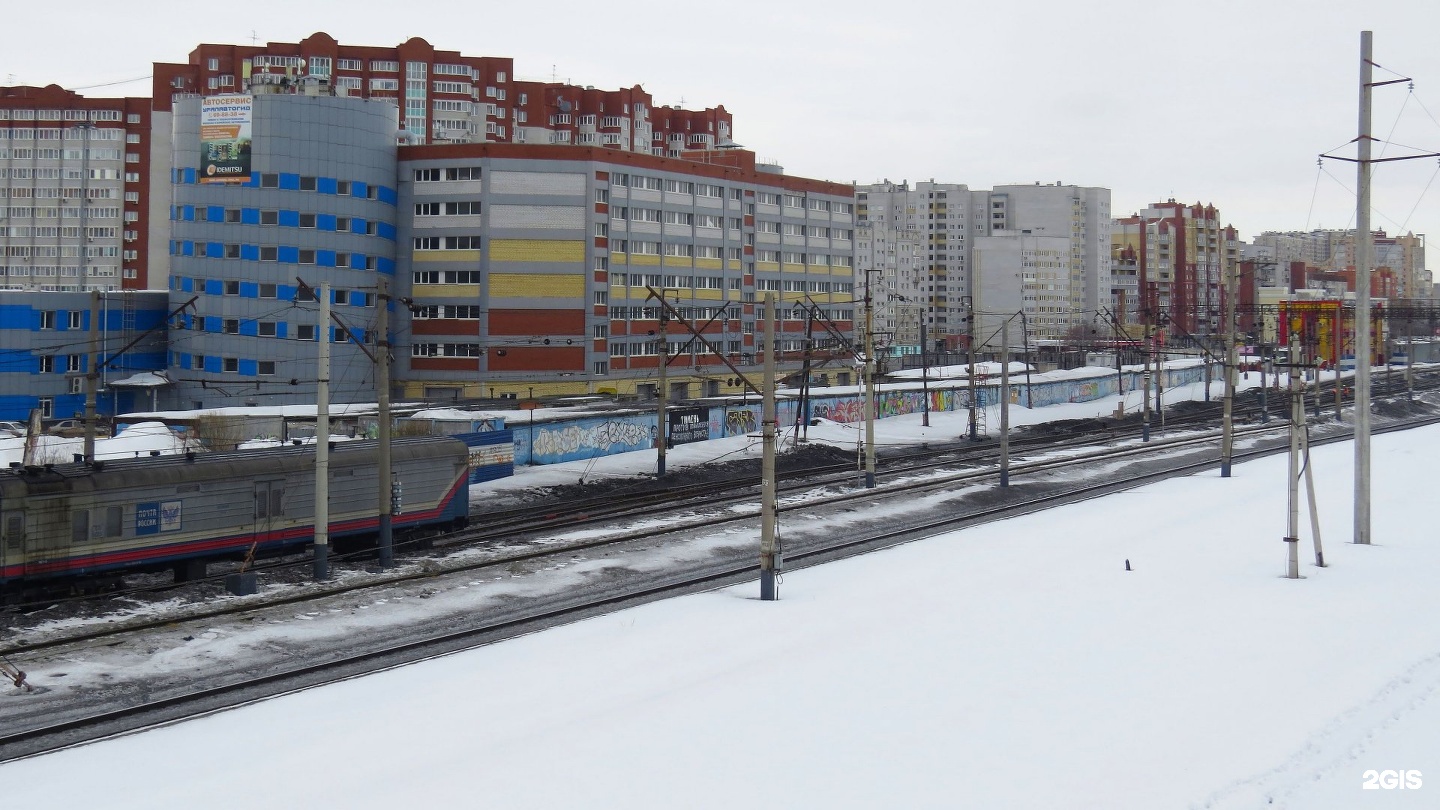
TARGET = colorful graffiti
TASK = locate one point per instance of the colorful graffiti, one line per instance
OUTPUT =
(587, 438)
(572, 441)
(740, 422)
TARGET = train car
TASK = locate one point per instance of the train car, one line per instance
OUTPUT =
(79, 520)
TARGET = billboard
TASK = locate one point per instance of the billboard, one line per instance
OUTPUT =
(688, 425)
(225, 138)
(1317, 326)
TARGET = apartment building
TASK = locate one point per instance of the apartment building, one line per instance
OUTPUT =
(1334, 251)
(440, 97)
(74, 191)
(449, 97)
(45, 344)
(1020, 273)
(533, 270)
(949, 219)
(315, 205)
(1180, 256)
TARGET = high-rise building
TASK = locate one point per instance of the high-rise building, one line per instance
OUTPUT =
(949, 219)
(45, 342)
(448, 97)
(533, 269)
(1080, 214)
(941, 220)
(1181, 253)
(316, 205)
(523, 257)
(74, 189)
(1018, 272)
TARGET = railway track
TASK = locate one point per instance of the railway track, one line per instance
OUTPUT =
(518, 526)
(169, 708)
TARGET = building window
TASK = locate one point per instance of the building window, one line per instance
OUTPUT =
(230, 364)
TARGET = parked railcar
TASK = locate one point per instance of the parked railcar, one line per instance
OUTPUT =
(78, 520)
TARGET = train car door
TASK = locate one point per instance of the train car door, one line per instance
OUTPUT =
(12, 537)
(269, 508)
(50, 530)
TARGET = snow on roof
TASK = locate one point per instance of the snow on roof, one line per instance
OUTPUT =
(145, 379)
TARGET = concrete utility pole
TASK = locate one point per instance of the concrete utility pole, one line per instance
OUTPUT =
(869, 386)
(1227, 441)
(1362, 298)
(1159, 381)
(1145, 383)
(1310, 495)
(974, 385)
(91, 375)
(387, 492)
(662, 425)
(1264, 397)
(769, 553)
(924, 375)
(322, 440)
(1297, 424)
(1005, 402)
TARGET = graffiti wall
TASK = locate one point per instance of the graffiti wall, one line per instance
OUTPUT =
(556, 442)
(589, 437)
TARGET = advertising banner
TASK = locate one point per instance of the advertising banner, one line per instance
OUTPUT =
(225, 138)
(1316, 325)
(688, 425)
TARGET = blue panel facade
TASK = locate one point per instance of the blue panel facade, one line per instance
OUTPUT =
(291, 151)
(38, 347)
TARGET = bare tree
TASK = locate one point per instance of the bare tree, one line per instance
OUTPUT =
(218, 433)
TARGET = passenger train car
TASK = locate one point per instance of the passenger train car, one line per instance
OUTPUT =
(79, 520)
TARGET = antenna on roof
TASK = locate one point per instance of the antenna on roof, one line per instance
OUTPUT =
(254, 37)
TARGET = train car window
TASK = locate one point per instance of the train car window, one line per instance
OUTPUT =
(79, 526)
(14, 529)
(107, 522)
(268, 499)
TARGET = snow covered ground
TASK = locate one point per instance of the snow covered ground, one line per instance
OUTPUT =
(1017, 665)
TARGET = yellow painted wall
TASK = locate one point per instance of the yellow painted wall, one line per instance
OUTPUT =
(537, 285)
(471, 257)
(424, 291)
(536, 250)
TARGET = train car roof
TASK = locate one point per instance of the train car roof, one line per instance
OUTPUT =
(113, 473)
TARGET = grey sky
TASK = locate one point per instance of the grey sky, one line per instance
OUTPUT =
(1219, 102)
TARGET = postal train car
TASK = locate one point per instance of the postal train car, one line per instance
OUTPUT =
(86, 521)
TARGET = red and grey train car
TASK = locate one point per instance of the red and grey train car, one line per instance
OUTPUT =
(82, 521)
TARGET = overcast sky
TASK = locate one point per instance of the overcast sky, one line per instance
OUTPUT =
(1220, 102)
